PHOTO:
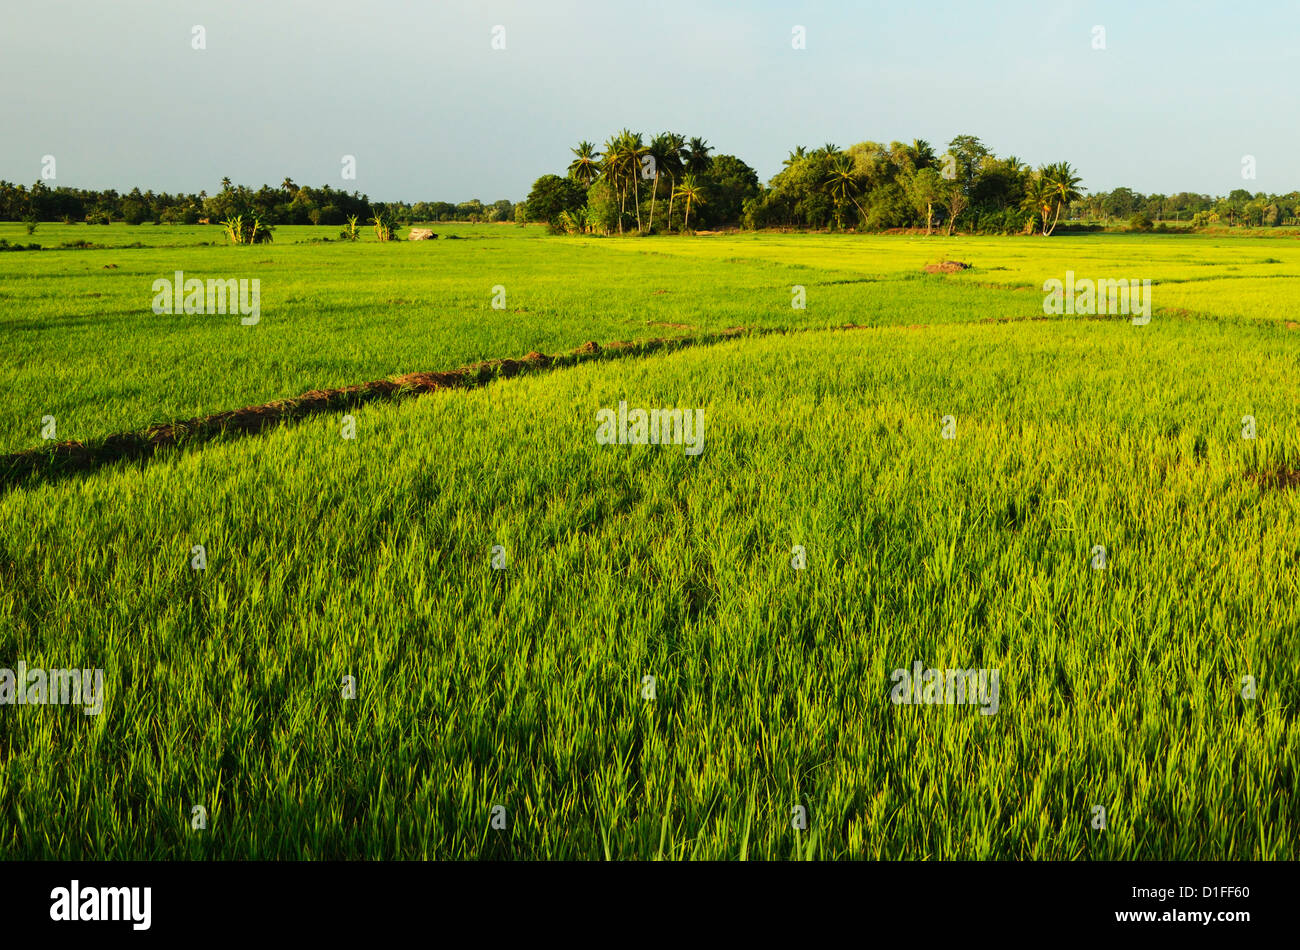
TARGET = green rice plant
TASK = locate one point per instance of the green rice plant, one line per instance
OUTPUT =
(525, 686)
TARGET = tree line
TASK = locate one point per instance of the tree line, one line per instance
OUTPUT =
(671, 183)
(1240, 208)
(288, 204)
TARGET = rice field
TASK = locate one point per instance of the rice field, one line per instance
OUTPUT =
(475, 630)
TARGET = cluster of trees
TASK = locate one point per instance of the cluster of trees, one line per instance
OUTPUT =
(666, 183)
(669, 183)
(1239, 209)
(866, 187)
(876, 187)
(288, 204)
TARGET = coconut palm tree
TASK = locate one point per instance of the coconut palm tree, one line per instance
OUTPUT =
(674, 166)
(586, 167)
(691, 192)
(611, 167)
(634, 149)
(1062, 182)
(843, 184)
(921, 153)
(1038, 197)
(795, 157)
(658, 150)
(696, 155)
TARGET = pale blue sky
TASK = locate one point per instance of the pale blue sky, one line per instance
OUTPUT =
(414, 90)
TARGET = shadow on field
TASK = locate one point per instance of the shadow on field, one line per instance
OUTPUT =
(66, 459)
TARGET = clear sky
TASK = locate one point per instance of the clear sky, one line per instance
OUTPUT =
(115, 91)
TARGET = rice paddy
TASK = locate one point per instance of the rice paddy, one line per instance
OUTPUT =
(469, 629)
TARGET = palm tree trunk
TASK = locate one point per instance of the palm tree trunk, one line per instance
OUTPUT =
(686, 223)
(1055, 219)
(653, 191)
(861, 210)
(671, 195)
(636, 197)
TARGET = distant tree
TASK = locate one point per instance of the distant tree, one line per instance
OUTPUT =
(1062, 184)
(925, 189)
(1038, 199)
(674, 167)
(955, 201)
(552, 195)
(1121, 203)
(585, 168)
(614, 168)
(634, 149)
(843, 184)
(967, 152)
(729, 183)
(603, 207)
(691, 192)
(658, 150)
(135, 212)
(696, 156)
(922, 154)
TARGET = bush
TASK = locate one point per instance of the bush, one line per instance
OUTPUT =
(1005, 221)
(247, 229)
(1139, 222)
(385, 224)
(602, 208)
